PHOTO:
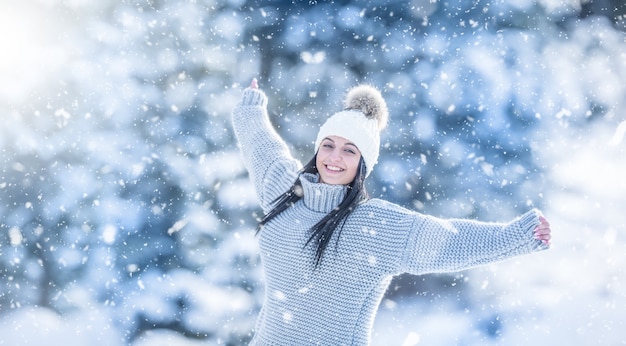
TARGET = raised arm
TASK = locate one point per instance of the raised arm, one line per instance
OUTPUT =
(271, 167)
(439, 245)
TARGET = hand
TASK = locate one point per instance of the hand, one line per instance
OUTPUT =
(542, 231)
(253, 96)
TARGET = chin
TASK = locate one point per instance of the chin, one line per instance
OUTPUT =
(333, 181)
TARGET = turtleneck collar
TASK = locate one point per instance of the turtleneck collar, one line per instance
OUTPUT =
(321, 197)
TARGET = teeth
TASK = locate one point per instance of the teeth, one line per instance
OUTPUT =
(334, 168)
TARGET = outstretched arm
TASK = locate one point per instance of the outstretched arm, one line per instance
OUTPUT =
(440, 245)
(266, 156)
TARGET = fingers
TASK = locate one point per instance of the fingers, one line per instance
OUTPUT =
(543, 231)
(254, 84)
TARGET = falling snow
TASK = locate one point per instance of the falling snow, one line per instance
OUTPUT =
(127, 217)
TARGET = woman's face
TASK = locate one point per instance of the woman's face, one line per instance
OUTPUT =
(337, 160)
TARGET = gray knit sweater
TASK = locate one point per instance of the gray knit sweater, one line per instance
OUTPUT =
(335, 304)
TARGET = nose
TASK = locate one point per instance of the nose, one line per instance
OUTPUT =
(335, 155)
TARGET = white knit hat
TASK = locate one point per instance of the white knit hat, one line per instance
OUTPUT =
(365, 115)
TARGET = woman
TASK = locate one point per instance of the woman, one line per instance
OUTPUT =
(328, 250)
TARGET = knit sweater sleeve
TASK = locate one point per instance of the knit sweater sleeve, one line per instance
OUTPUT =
(270, 165)
(440, 245)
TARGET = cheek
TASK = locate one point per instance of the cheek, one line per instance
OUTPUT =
(354, 164)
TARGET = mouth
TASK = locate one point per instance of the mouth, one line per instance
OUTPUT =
(334, 168)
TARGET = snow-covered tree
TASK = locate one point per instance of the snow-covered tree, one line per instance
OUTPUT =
(121, 188)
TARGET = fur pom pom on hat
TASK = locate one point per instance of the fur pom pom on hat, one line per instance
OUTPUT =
(367, 99)
(364, 116)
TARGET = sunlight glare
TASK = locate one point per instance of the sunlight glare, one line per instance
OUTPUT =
(30, 50)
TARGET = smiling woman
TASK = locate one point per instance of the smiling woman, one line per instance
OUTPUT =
(324, 205)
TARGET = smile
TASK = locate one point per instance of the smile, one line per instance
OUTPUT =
(334, 168)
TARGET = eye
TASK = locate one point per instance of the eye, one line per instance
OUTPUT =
(327, 145)
(350, 151)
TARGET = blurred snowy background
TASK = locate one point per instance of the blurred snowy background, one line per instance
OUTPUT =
(126, 216)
